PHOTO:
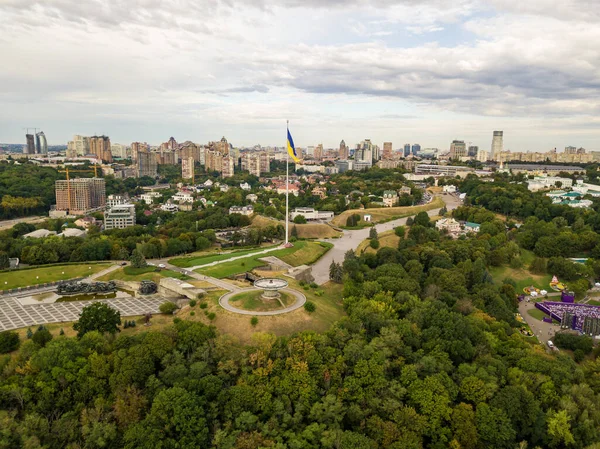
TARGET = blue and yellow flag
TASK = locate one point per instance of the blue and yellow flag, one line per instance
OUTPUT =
(291, 149)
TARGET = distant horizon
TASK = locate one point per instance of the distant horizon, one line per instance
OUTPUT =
(401, 71)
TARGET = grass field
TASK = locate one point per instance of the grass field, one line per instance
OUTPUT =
(186, 262)
(522, 276)
(305, 231)
(141, 274)
(387, 238)
(303, 252)
(383, 214)
(42, 275)
(252, 301)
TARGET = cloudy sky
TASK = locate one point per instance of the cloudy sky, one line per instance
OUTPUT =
(425, 71)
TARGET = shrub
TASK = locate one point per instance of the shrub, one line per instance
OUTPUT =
(192, 313)
(212, 316)
(29, 333)
(193, 303)
(579, 355)
(168, 308)
(200, 296)
(400, 231)
(42, 336)
(310, 306)
(9, 341)
(203, 305)
(319, 293)
(125, 324)
(306, 287)
(302, 283)
(254, 321)
(62, 331)
(374, 243)
(313, 285)
(132, 323)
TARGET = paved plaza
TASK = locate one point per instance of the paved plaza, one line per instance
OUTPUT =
(14, 315)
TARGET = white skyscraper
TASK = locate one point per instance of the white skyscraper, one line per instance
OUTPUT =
(497, 145)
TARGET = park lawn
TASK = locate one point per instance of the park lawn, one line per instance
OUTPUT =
(308, 254)
(383, 214)
(593, 302)
(386, 239)
(305, 231)
(186, 262)
(522, 277)
(148, 273)
(42, 275)
(306, 250)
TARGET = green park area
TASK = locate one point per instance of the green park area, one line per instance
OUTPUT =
(302, 253)
(148, 273)
(42, 275)
(252, 300)
(187, 262)
(521, 276)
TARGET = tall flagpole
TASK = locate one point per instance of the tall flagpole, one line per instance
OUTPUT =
(287, 185)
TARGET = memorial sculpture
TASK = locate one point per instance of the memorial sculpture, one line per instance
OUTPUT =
(71, 288)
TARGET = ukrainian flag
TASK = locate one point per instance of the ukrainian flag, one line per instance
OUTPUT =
(290, 147)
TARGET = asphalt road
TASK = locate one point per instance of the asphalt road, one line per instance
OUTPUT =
(352, 238)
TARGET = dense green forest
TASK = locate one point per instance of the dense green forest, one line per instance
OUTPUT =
(427, 357)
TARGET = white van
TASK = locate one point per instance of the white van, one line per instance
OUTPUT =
(550, 344)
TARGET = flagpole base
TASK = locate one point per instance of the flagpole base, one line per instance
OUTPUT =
(288, 245)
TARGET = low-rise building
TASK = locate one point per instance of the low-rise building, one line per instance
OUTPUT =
(85, 222)
(311, 214)
(548, 182)
(242, 210)
(404, 190)
(119, 217)
(252, 197)
(471, 227)
(148, 198)
(245, 186)
(114, 200)
(39, 234)
(183, 197)
(169, 207)
(390, 198)
(319, 191)
(448, 224)
(449, 189)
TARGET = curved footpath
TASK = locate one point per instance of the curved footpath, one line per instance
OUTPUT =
(352, 238)
(300, 300)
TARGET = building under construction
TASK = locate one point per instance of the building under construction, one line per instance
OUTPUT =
(80, 196)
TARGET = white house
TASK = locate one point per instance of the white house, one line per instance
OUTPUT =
(448, 224)
(252, 197)
(148, 198)
(183, 197)
(449, 189)
(243, 210)
(245, 186)
(169, 207)
(310, 214)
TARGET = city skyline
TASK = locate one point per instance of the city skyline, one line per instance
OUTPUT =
(428, 72)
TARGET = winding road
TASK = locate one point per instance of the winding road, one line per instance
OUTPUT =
(350, 239)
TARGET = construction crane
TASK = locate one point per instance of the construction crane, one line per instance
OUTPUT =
(67, 171)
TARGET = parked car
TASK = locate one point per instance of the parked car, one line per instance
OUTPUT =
(162, 265)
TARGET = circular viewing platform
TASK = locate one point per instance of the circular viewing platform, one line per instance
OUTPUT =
(270, 286)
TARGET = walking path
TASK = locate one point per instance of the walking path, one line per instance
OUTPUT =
(300, 300)
(350, 240)
(231, 259)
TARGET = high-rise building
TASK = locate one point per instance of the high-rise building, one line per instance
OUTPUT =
(137, 147)
(387, 150)
(30, 144)
(100, 146)
(228, 166)
(146, 164)
(118, 150)
(482, 155)
(187, 168)
(190, 149)
(472, 152)
(406, 149)
(79, 196)
(79, 146)
(497, 145)
(119, 216)
(319, 152)
(458, 149)
(570, 150)
(41, 144)
(416, 148)
(344, 154)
